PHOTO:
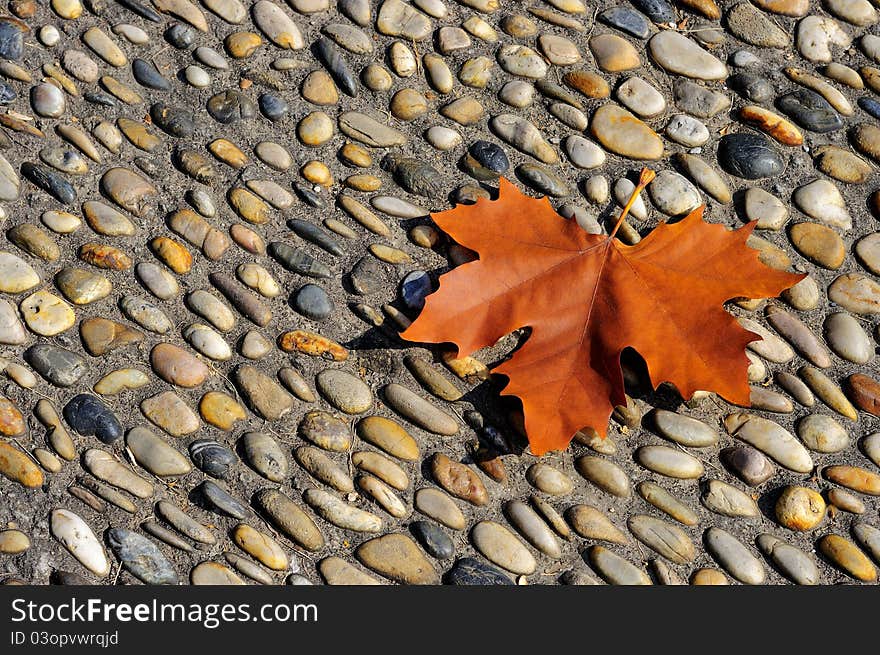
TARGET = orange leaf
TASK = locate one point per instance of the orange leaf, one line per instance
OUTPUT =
(587, 297)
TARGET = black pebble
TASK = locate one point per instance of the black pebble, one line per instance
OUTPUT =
(89, 416)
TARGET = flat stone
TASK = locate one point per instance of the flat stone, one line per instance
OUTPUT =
(795, 564)
(678, 54)
(458, 480)
(397, 557)
(624, 134)
(606, 475)
(141, 557)
(60, 366)
(340, 513)
(749, 156)
(46, 314)
(438, 505)
(614, 569)
(855, 293)
(771, 439)
(154, 454)
(501, 547)
(18, 467)
(326, 431)
(176, 366)
(170, 413)
(262, 394)
(261, 547)
(79, 539)
(212, 573)
(591, 523)
(389, 436)
(847, 557)
(669, 462)
(734, 557)
(265, 455)
(290, 518)
(822, 434)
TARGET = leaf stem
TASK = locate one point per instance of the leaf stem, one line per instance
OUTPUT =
(645, 178)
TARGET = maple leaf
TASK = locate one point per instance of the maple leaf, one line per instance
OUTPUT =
(587, 297)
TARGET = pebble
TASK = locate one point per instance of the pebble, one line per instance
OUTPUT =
(795, 564)
(323, 468)
(470, 571)
(855, 478)
(733, 556)
(847, 557)
(458, 480)
(624, 134)
(771, 439)
(397, 557)
(438, 505)
(212, 573)
(822, 434)
(614, 569)
(687, 131)
(749, 156)
(665, 538)
(613, 53)
(748, 464)
(727, 500)
(79, 539)
(800, 508)
(170, 413)
(418, 410)
(325, 431)
(590, 523)
(141, 557)
(290, 518)
(154, 454)
(856, 293)
(261, 547)
(18, 467)
(341, 514)
(13, 542)
(669, 462)
(606, 475)
(499, 545)
(678, 54)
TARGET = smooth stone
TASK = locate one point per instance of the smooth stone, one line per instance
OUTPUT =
(389, 436)
(438, 505)
(105, 466)
(340, 513)
(221, 501)
(128, 189)
(668, 540)
(265, 455)
(614, 569)
(290, 519)
(749, 156)
(368, 131)
(752, 86)
(420, 411)
(684, 430)
(666, 502)
(13, 542)
(212, 457)
(810, 110)
(397, 557)
(798, 335)
(613, 53)
(154, 454)
(523, 61)
(176, 366)
(524, 136)
(624, 134)
(771, 439)
(856, 293)
(626, 20)
(669, 462)
(795, 564)
(822, 434)
(263, 395)
(170, 413)
(799, 508)
(530, 525)
(433, 539)
(501, 547)
(828, 391)
(867, 250)
(816, 35)
(323, 468)
(762, 206)
(582, 152)
(141, 557)
(845, 501)
(678, 54)
(549, 479)
(734, 557)
(870, 446)
(847, 557)
(79, 539)
(606, 475)
(591, 523)
(211, 308)
(326, 431)
(855, 478)
(230, 106)
(261, 547)
(458, 479)
(15, 465)
(207, 342)
(673, 194)
(868, 537)
(212, 573)
(337, 571)
(469, 571)
(748, 464)
(727, 500)
(59, 366)
(698, 100)
(277, 25)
